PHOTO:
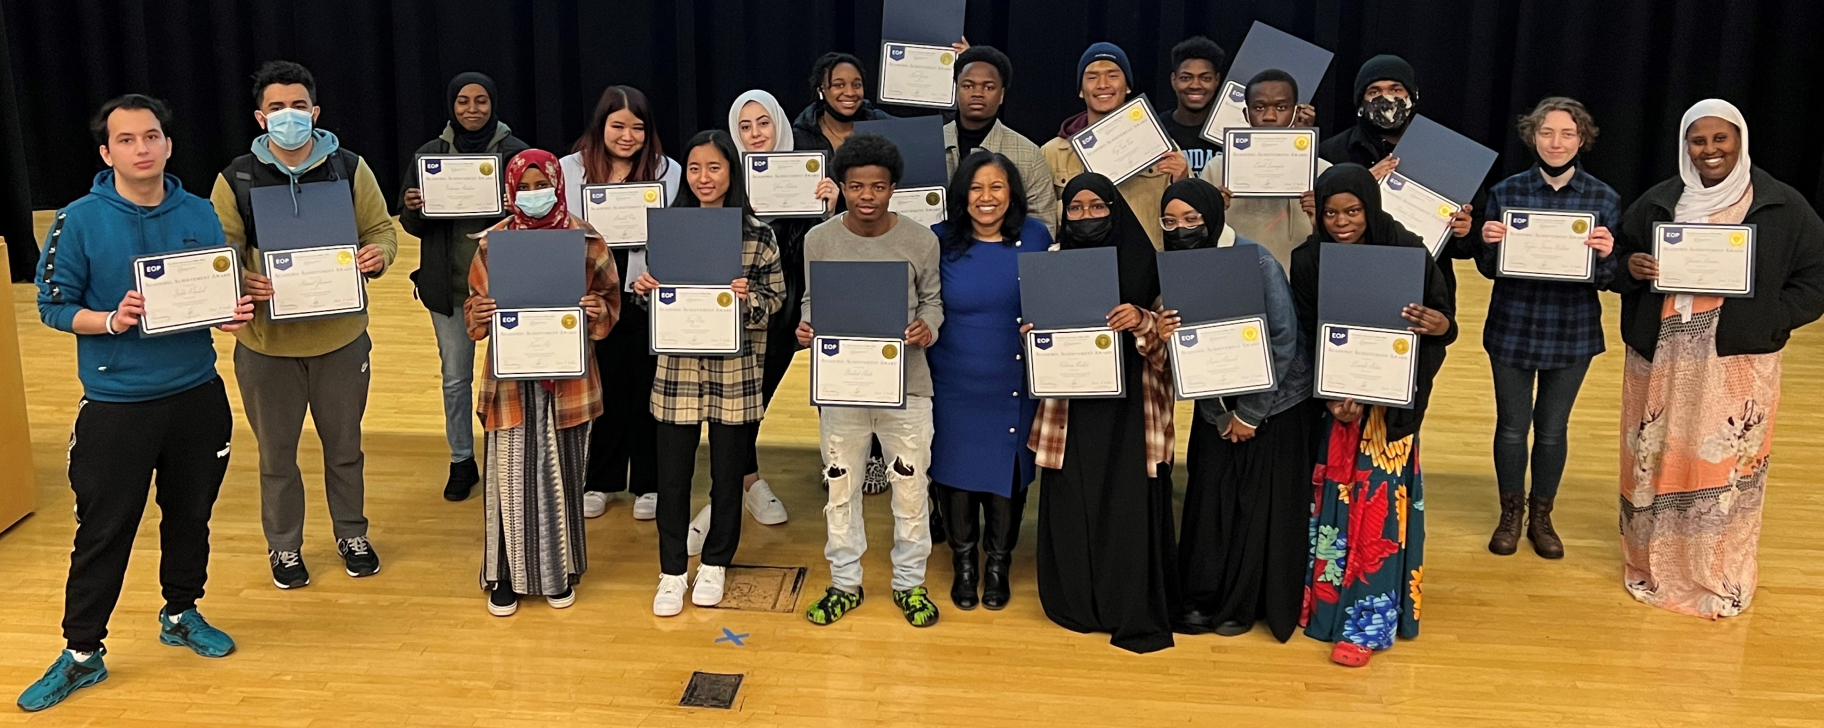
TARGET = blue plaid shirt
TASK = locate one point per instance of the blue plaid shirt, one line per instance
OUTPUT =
(1534, 324)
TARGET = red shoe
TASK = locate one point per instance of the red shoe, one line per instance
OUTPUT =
(1349, 654)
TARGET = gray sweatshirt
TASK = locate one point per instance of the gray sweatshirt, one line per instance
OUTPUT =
(906, 241)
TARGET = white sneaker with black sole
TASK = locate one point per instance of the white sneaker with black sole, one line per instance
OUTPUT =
(708, 591)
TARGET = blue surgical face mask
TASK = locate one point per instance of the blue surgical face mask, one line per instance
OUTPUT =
(288, 128)
(536, 203)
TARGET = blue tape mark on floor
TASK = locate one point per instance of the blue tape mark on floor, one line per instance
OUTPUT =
(728, 635)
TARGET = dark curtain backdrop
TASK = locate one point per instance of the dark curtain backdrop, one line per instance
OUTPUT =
(382, 66)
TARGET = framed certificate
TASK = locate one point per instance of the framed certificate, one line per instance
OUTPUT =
(926, 206)
(460, 185)
(1222, 359)
(1124, 143)
(194, 289)
(618, 213)
(539, 343)
(1547, 245)
(1080, 363)
(917, 75)
(852, 371)
(1704, 259)
(1269, 162)
(784, 184)
(1231, 112)
(1420, 210)
(314, 283)
(695, 321)
(1370, 365)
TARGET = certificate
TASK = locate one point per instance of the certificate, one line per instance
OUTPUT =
(1074, 363)
(923, 205)
(1367, 364)
(784, 184)
(1548, 245)
(460, 185)
(313, 282)
(1231, 112)
(1423, 212)
(917, 75)
(539, 343)
(618, 212)
(1221, 359)
(1706, 260)
(696, 321)
(1269, 162)
(1124, 143)
(848, 371)
(189, 290)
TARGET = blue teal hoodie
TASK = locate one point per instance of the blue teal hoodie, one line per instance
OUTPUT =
(88, 264)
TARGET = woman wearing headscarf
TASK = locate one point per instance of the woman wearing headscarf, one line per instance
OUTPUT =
(1368, 523)
(445, 250)
(538, 431)
(1702, 383)
(1247, 500)
(1105, 503)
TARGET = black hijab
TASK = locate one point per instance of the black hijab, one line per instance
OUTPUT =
(1357, 180)
(1206, 200)
(471, 142)
(1133, 249)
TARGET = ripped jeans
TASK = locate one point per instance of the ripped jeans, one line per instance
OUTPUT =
(905, 443)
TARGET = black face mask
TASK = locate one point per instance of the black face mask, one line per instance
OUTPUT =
(842, 118)
(1092, 230)
(1187, 238)
(1551, 171)
(1388, 112)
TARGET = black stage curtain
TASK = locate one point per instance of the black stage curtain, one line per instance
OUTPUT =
(381, 68)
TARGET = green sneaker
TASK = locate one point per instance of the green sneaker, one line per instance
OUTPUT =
(917, 604)
(833, 605)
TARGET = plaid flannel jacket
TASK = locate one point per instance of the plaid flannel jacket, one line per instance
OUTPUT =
(727, 389)
(1049, 428)
(1536, 324)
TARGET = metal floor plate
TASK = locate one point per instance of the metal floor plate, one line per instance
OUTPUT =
(711, 690)
(763, 588)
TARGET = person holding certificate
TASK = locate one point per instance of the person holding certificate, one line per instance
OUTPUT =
(538, 431)
(841, 100)
(445, 250)
(1277, 223)
(722, 391)
(1541, 333)
(1247, 500)
(1368, 525)
(1702, 383)
(983, 75)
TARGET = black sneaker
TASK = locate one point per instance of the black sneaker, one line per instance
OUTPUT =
(503, 602)
(358, 557)
(463, 477)
(288, 570)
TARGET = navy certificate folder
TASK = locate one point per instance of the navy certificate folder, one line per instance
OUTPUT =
(1446, 162)
(1269, 47)
(925, 22)
(536, 268)
(1212, 284)
(921, 142)
(1069, 289)
(323, 216)
(860, 298)
(1369, 285)
(694, 246)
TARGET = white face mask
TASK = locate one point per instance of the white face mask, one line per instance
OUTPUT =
(536, 203)
(289, 129)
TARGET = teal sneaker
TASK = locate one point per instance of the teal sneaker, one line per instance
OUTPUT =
(192, 631)
(916, 603)
(833, 605)
(66, 676)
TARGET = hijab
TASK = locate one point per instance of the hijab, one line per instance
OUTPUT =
(472, 142)
(1206, 200)
(1138, 271)
(1355, 179)
(559, 216)
(782, 124)
(1697, 201)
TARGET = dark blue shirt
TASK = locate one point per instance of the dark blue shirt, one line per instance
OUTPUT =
(1535, 324)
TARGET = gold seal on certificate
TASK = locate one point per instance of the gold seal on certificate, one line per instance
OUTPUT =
(1548, 245)
(917, 75)
(1124, 143)
(784, 184)
(314, 282)
(1073, 363)
(539, 343)
(923, 205)
(1370, 365)
(1259, 162)
(460, 185)
(851, 371)
(1231, 112)
(1418, 209)
(187, 290)
(695, 321)
(618, 212)
(1221, 359)
(1704, 259)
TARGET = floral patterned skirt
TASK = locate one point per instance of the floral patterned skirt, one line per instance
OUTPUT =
(1367, 536)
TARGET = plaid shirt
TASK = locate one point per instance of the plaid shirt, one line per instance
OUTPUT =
(1534, 324)
(1035, 173)
(1052, 423)
(726, 389)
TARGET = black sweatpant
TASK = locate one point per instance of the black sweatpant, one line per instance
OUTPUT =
(730, 449)
(114, 450)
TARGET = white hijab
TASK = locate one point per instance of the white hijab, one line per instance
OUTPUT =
(782, 125)
(1697, 201)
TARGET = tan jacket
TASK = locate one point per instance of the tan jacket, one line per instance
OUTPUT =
(1142, 191)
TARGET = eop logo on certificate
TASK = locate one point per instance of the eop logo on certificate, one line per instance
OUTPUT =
(1238, 94)
(1519, 222)
(1675, 236)
(759, 164)
(1339, 337)
(433, 166)
(1396, 182)
(1089, 140)
(509, 320)
(155, 268)
(597, 197)
(1242, 141)
(831, 347)
(1042, 342)
(897, 53)
(282, 262)
(668, 296)
(1187, 339)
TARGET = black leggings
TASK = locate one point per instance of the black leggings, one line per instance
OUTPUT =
(730, 449)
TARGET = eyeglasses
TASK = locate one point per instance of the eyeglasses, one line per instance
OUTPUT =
(1188, 221)
(1076, 211)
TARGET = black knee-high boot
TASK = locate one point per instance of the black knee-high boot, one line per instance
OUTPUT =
(1000, 536)
(960, 520)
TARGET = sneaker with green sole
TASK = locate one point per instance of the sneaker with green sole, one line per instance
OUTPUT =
(833, 605)
(917, 604)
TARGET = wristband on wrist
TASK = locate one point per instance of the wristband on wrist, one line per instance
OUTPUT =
(109, 323)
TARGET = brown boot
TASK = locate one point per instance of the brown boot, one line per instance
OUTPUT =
(1507, 534)
(1539, 529)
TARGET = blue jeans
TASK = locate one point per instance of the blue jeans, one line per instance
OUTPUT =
(848, 434)
(1547, 415)
(457, 351)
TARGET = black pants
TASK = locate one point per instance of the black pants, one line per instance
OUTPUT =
(730, 450)
(1547, 415)
(114, 450)
(622, 453)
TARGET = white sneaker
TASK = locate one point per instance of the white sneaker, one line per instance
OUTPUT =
(763, 505)
(595, 504)
(699, 530)
(708, 592)
(646, 507)
(670, 599)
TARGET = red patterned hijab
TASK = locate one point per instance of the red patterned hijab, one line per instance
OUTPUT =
(559, 217)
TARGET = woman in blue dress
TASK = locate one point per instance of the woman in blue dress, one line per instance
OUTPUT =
(980, 464)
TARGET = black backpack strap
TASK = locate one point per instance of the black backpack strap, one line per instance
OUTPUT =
(240, 179)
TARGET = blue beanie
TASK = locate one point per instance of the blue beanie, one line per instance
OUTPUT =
(1105, 52)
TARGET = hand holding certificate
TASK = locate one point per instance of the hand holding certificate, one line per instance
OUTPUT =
(618, 212)
(1418, 209)
(310, 250)
(537, 278)
(926, 206)
(188, 290)
(460, 185)
(1704, 259)
(1226, 348)
(917, 75)
(853, 371)
(539, 343)
(312, 282)
(1265, 47)
(1269, 162)
(858, 314)
(784, 184)
(1548, 245)
(1123, 143)
(1366, 348)
(1367, 364)
(1071, 351)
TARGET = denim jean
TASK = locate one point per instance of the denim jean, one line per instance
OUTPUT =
(457, 351)
(1547, 415)
(905, 440)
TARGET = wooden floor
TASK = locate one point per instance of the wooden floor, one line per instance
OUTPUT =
(1507, 641)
